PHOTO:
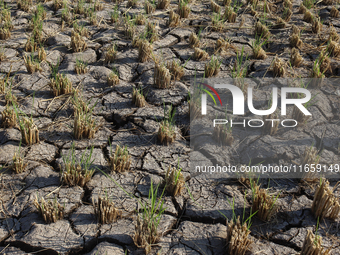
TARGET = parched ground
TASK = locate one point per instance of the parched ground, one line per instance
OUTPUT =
(186, 227)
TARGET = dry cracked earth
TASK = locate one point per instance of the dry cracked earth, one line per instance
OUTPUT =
(190, 225)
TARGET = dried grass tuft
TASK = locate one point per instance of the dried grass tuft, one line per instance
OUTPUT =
(316, 25)
(9, 118)
(174, 19)
(144, 50)
(176, 70)
(194, 41)
(237, 237)
(78, 43)
(308, 17)
(29, 131)
(60, 85)
(230, 15)
(138, 98)
(261, 30)
(120, 160)
(174, 181)
(215, 7)
(295, 58)
(212, 68)
(183, 9)
(200, 55)
(295, 41)
(163, 4)
(162, 76)
(263, 203)
(50, 211)
(279, 67)
(325, 203)
(312, 245)
(223, 135)
(334, 12)
(105, 211)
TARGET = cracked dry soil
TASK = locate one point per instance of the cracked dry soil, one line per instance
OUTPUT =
(186, 227)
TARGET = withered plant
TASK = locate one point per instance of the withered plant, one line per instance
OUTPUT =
(333, 35)
(258, 52)
(312, 245)
(32, 64)
(78, 43)
(80, 8)
(215, 7)
(261, 30)
(316, 25)
(105, 210)
(300, 117)
(81, 30)
(230, 15)
(295, 58)
(98, 5)
(238, 240)
(144, 50)
(163, 4)
(120, 160)
(174, 19)
(146, 228)
(85, 126)
(222, 45)
(41, 54)
(325, 203)
(149, 7)
(131, 3)
(174, 181)
(113, 78)
(138, 98)
(194, 41)
(302, 9)
(279, 67)
(24, 5)
(334, 13)
(114, 15)
(176, 70)
(50, 211)
(140, 19)
(280, 23)
(217, 22)
(29, 131)
(162, 76)
(151, 32)
(223, 134)
(19, 164)
(81, 66)
(57, 4)
(31, 45)
(60, 84)
(9, 118)
(287, 14)
(183, 9)
(167, 129)
(77, 172)
(333, 49)
(263, 203)
(308, 17)
(212, 68)
(111, 54)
